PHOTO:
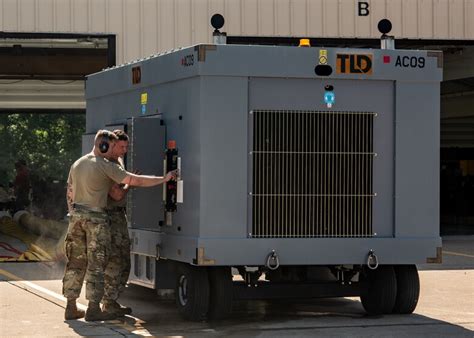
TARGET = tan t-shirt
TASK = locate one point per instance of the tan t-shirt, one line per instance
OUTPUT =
(91, 178)
(111, 203)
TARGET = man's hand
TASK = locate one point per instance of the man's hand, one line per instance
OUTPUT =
(171, 175)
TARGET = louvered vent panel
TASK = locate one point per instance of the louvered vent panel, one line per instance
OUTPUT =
(312, 174)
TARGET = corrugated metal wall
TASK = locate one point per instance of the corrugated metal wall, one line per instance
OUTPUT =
(144, 27)
(42, 94)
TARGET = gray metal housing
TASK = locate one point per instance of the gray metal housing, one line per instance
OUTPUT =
(204, 96)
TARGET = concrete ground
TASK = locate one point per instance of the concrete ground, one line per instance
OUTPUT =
(31, 305)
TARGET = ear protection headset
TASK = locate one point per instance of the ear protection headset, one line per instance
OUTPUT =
(104, 142)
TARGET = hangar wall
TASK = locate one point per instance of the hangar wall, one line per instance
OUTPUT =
(42, 95)
(144, 27)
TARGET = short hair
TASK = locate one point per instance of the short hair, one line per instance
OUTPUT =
(111, 137)
(20, 163)
(122, 136)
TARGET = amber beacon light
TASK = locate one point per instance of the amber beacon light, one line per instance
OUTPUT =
(304, 43)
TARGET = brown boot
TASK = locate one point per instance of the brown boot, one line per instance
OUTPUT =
(72, 312)
(113, 307)
(94, 313)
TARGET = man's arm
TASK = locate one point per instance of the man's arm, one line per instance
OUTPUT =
(69, 196)
(118, 192)
(146, 180)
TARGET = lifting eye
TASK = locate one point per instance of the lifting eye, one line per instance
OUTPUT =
(323, 70)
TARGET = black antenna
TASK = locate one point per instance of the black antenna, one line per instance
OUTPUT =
(386, 41)
(384, 26)
(217, 21)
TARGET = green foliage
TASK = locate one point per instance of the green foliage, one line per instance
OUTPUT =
(49, 143)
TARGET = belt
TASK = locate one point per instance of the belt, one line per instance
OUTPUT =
(80, 207)
(117, 209)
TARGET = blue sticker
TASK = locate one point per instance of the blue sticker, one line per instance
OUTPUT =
(143, 109)
(329, 98)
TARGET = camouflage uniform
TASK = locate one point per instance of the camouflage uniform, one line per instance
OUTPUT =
(87, 246)
(118, 266)
(88, 239)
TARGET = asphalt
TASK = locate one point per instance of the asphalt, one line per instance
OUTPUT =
(31, 305)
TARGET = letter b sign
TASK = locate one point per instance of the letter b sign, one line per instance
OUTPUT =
(363, 8)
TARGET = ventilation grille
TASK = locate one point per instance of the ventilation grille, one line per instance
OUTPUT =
(312, 174)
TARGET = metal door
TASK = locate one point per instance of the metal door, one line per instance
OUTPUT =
(145, 205)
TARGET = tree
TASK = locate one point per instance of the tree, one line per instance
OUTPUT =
(49, 144)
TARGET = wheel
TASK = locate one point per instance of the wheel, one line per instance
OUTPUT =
(192, 292)
(221, 292)
(408, 288)
(378, 289)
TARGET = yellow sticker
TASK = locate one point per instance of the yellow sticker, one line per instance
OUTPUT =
(323, 56)
(144, 98)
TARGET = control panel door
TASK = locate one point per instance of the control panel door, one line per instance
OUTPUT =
(146, 154)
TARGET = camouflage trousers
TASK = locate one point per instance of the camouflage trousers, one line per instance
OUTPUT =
(87, 246)
(118, 266)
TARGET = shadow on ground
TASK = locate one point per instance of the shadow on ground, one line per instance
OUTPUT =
(272, 318)
(339, 316)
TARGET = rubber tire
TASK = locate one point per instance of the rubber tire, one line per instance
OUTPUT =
(408, 288)
(196, 305)
(378, 289)
(221, 292)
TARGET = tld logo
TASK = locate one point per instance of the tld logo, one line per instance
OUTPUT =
(354, 64)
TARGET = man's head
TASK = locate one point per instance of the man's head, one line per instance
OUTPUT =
(121, 145)
(20, 164)
(104, 143)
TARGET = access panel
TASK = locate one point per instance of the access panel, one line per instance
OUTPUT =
(145, 205)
